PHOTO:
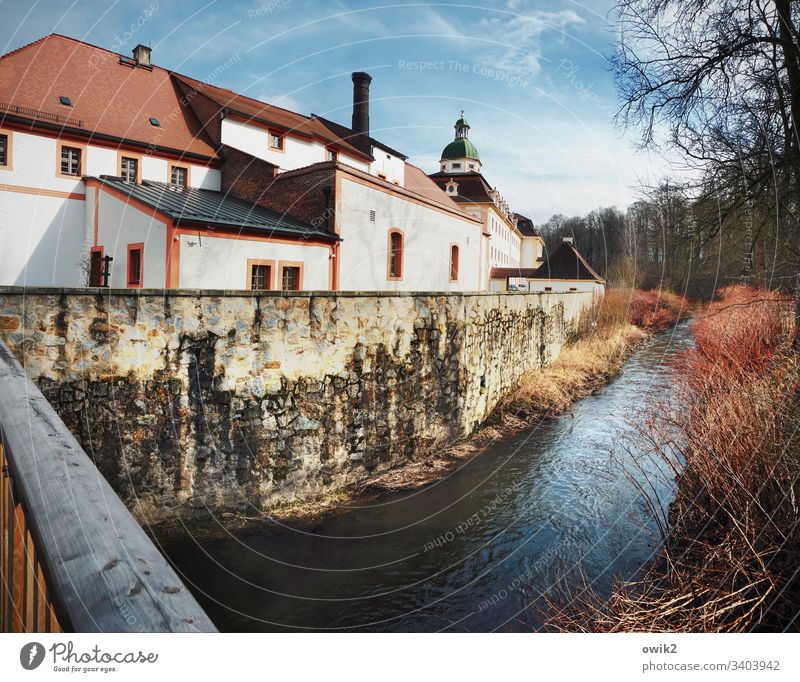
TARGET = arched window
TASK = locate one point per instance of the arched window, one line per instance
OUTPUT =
(453, 262)
(395, 264)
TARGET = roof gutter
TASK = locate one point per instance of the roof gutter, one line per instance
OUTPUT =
(91, 135)
(256, 230)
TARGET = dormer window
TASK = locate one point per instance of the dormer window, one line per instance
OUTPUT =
(66, 101)
(452, 188)
(154, 122)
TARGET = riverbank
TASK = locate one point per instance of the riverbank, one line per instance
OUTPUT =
(600, 344)
(543, 507)
(730, 561)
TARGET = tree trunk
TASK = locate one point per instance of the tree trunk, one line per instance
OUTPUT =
(797, 315)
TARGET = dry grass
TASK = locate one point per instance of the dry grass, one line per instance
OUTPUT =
(581, 368)
(731, 561)
(603, 339)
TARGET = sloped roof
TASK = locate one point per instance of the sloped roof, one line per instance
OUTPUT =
(505, 273)
(566, 263)
(362, 142)
(417, 184)
(268, 113)
(214, 208)
(526, 227)
(472, 187)
(108, 97)
(417, 181)
(460, 148)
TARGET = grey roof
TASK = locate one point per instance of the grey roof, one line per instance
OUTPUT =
(213, 208)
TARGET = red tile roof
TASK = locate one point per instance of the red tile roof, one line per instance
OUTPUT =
(110, 98)
(417, 181)
(505, 273)
(284, 119)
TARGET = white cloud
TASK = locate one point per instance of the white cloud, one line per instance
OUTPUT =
(521, 34)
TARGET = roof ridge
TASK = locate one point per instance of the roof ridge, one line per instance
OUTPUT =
(27, 45)
(238, 94)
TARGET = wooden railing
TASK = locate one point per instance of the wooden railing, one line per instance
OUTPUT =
(72, 557)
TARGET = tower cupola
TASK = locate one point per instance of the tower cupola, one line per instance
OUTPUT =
(460, 156)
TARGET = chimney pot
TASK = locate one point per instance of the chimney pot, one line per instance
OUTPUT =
(361, 81)
(141, 53)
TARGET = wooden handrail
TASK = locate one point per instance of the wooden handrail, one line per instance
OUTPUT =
(73, 557)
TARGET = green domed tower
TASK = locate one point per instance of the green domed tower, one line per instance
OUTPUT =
(460, 156)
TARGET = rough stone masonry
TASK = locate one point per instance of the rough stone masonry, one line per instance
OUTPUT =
(190, 399)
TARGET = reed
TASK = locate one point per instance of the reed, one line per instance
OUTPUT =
(730, 561)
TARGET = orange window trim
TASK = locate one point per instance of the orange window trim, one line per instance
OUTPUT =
(186, 167)
(270, 273)
(282, 264)
(128, 155)
(74, 145)
(398, 274)
(9, 164)
(131, 284)
(143, 148)
(455, 251)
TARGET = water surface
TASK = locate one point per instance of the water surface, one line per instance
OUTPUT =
(550, 506)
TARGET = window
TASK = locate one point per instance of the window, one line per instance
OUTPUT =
(5, 150)
(472, 166)
(453, 262)
(70, 160)
(395, 265)
(66, 101)
(456, 165)
(291, 275)
(259, 274)
(179, 176)
(372, 215)
(155, 122)
(129, 169)
(382, 176)
(330, 155)
(135, 264)
(276, 141)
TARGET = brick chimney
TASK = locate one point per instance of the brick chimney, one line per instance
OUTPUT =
(361, 83)
(141, 53)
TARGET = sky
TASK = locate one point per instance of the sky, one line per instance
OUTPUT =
(532, 77)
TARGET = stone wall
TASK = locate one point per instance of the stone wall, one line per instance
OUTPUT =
(188, 399)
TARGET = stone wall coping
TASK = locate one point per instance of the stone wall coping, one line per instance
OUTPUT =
(246, 293)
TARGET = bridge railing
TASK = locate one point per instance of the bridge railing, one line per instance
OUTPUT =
(72, 557)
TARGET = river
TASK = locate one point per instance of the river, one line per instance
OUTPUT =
(550, 506)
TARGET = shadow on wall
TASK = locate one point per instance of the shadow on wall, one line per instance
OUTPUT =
(54, 256)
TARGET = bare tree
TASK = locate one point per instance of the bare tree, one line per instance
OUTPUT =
(719, 80)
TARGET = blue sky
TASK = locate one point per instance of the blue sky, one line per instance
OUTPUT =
(531, 76)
